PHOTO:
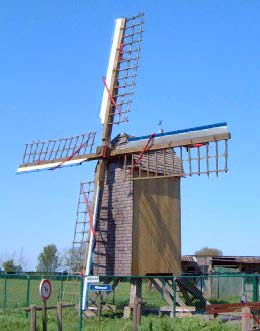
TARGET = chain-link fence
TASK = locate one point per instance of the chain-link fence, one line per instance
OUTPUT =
(20, 291)
(153, 302)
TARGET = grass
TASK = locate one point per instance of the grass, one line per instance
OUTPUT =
(15, 320)
(121, 295)
(16, 293)
(233, 299)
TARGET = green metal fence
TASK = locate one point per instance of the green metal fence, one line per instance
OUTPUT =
(18, 291)
(162, 299)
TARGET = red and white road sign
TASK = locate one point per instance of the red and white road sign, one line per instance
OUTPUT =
(45, 289)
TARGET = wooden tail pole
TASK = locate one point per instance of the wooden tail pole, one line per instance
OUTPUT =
(33, 318)
(246, 315)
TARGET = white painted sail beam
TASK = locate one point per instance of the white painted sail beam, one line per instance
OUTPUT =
(49, 166)
(109, 80)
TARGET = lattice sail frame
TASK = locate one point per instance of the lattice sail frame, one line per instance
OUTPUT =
(54, 153)
(82, 227)
(180, 161)
(122, 69)
(195, 151)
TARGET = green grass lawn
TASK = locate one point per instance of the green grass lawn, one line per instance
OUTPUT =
(16, 292)
(14, 299)
(67, 291)
(15, 320)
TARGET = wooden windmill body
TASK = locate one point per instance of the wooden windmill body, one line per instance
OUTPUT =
(130, 222)
(138, 232)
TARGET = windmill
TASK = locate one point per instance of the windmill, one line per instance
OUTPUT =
(135, 197)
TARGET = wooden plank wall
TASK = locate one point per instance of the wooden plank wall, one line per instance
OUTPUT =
(157, 227)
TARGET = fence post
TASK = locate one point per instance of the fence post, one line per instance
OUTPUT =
(5, 290)
(33, 318)
(246, 315)
(174, 288)
(218, 288)
(134, 322)
(99, 305)
(255, 288)
(28, 294)
(59, 316)
(139, 311)
(80, 303)
(61, 289)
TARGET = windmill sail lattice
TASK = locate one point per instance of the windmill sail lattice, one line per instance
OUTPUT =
(53, 153)
(81, 231)
(122, 69)
(194, 151)
(179, 161)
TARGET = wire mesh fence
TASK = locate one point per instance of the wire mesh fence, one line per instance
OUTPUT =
(20, 291)
(160, 301)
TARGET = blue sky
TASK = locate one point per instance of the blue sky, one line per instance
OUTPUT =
(200, 65)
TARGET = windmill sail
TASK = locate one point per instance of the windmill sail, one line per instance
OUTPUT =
(51, 154)
(82, 227)
(200, 150)
(122, 70)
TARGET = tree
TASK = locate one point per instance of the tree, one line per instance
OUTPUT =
(72, 259)
(48, 259)
(22, 260)
(16, 261)
(64, 260)
(206, 251)
(10, 267)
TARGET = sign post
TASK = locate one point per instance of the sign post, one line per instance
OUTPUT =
(100, 288)
(87, 280)
(45, 293)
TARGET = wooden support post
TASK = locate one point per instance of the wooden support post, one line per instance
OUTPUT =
(246, 315)
(44, 316)
(59, 316)
(139, 311)
(163, 282)
(135, 290)
(134, 321)
(99, 304)
(33, 318)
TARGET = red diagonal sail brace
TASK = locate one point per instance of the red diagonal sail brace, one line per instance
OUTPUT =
(89, 213)
(72, 155)
(111, 96)
(145, 149)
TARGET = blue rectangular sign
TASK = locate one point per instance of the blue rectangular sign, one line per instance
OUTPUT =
(100, 287)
